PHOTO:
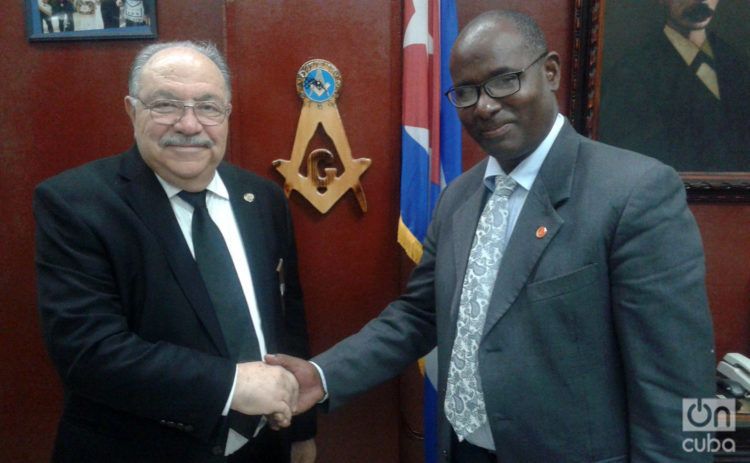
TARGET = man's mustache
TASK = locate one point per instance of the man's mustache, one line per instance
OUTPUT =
(698, 12)
(182, 140)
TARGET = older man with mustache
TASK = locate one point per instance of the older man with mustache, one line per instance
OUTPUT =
(682, 95)
(164, 276)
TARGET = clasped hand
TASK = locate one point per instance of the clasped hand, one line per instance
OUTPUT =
(281, 387)
(262, 389)
(310, 385)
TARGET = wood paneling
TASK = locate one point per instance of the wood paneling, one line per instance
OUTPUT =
(725, 229)
(349, 260)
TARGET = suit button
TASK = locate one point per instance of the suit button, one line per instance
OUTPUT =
(218, 450)
(162, 421)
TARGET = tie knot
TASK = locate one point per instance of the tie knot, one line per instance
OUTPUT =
(504, 185)
(700, 59)
(196, 199)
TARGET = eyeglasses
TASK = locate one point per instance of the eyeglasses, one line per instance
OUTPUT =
(169, 112)
(498, 86)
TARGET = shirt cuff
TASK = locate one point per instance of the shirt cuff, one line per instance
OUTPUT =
(322, 380)
(231, 395)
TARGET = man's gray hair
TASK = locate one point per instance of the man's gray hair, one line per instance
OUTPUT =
(207, 49)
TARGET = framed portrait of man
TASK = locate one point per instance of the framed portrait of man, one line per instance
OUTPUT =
(672, 80)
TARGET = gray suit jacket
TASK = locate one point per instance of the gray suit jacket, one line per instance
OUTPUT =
(595, 332)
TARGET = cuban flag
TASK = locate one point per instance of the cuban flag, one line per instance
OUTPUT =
(430, 148)
(431, 132)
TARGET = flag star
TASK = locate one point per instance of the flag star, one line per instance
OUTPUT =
(416, 32)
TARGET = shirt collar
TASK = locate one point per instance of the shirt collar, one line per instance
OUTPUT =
(215, 186)
(525, 173)
(687, 49)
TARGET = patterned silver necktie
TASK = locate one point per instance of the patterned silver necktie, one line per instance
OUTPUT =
(464, 399)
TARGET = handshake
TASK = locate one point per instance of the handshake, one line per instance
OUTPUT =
(278, 388)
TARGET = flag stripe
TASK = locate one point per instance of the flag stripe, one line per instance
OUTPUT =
(430, 146)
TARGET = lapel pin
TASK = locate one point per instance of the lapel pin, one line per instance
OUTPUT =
(541, 232)
(249, 197)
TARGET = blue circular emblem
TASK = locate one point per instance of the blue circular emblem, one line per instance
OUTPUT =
(319, 85)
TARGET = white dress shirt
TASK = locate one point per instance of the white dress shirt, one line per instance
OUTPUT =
(220, 210)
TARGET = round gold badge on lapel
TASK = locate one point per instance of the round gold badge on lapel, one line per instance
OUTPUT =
(541, 232)
(249, 197)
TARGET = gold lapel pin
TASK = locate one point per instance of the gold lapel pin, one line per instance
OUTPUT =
(249, 197)
(541, 232)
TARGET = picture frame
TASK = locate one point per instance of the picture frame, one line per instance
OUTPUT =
(603, 39)
(64, 20)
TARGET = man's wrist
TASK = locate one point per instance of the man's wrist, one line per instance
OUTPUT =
(322, 381)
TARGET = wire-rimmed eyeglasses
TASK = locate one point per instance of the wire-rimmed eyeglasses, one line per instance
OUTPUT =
(169, 112)
(497, 86)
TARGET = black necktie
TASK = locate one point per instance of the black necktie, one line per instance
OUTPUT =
(701, 58)
(223, 285)
(220, 276)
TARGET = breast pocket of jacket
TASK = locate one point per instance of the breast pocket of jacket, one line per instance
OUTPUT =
(563, 284)
(558, 307)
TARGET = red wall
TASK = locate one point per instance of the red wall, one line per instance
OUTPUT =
(62, 106)
(725, 229)
(348, 259)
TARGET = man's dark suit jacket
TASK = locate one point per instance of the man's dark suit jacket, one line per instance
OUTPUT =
(653, 103)
(595, 331)
(128, 321)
